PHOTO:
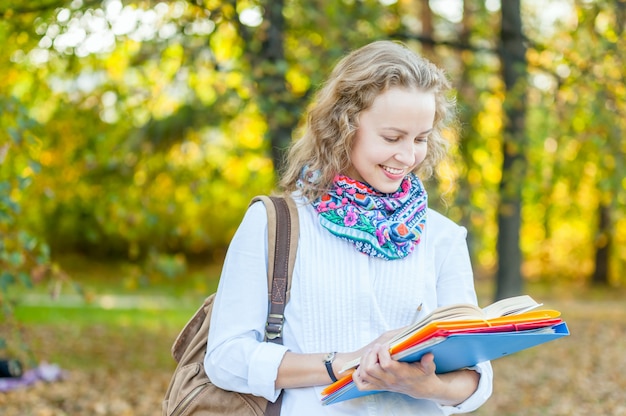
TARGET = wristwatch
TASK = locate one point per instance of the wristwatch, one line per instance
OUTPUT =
(328, 362)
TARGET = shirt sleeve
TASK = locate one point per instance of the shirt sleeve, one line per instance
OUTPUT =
(237, 358)
(455, 277)
(480, 396)
(455, 284)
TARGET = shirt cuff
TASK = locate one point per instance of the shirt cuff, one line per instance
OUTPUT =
(480, 396)
(263, 369)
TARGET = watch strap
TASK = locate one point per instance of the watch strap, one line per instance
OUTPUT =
(328, 362)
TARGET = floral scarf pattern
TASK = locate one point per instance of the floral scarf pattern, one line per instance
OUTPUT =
(381, 225)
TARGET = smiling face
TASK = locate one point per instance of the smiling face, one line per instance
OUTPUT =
(392, 138)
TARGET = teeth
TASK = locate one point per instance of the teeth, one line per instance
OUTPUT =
(393, 171)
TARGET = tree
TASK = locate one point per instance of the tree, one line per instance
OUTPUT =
(610, 95)
(513, 60)
(268, 59)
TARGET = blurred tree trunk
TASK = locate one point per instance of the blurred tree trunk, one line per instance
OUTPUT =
(604, 234)
(469, 104)
(514, 68)
(603, 246)
(272, 86)
(426, 16)
(268, 66)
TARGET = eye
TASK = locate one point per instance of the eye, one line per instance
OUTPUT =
(421, 139)
(391, 139)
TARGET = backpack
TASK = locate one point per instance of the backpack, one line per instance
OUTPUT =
(190, 392)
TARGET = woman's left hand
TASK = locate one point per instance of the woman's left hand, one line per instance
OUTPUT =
(378, 371)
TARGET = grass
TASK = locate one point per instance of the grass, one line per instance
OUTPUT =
(83, 317)
(89, 325)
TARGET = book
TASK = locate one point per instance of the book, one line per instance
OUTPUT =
(463, 335)
(462, 314)
(505, 307)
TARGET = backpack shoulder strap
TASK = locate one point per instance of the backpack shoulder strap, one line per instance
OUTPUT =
(283, 232)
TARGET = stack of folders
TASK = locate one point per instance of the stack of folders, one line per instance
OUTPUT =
(464, 335)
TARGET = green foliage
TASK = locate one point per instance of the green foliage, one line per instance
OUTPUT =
(22, 253)
(577, 151)
(164, 143)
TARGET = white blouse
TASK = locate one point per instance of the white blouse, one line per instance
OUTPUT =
(340, 300)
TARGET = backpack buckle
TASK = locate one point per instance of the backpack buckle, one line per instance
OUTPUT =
(274, 326)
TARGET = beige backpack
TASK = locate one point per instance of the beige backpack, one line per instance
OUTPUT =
(190, 391)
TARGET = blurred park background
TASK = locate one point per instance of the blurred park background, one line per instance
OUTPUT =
(133, 134)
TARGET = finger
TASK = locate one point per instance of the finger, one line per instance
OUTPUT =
(360, 380)
(428, 363)
(384, 358)
(369, 361)
(378, 369)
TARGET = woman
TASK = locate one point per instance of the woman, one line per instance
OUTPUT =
(372, 257)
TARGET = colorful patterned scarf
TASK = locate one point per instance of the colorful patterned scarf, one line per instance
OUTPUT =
(378, 224)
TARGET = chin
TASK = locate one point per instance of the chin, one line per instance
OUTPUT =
(388, 189)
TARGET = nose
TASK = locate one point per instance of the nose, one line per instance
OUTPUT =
(405, 153)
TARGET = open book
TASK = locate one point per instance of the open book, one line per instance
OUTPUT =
(462, 336)
(466, 312)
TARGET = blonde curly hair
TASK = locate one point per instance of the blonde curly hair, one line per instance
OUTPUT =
(352, 87)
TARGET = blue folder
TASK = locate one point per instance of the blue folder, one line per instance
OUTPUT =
(465, 350)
